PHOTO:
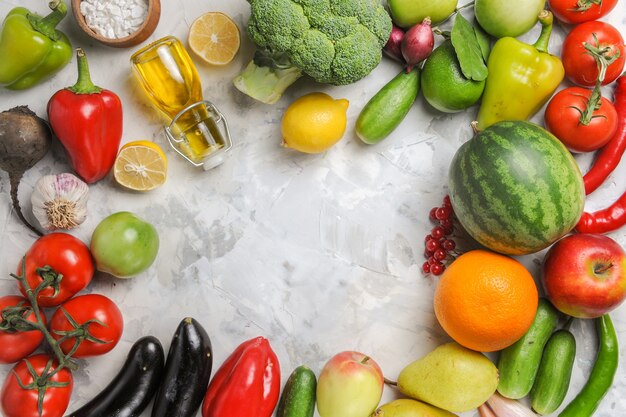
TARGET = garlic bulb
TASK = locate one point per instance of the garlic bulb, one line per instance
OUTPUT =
(60, 201)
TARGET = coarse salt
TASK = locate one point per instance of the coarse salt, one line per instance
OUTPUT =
(114, 19)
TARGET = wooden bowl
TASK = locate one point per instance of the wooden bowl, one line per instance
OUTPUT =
(145, 30)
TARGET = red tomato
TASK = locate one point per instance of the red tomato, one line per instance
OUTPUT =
(579, 11)
(20, 344)
(563, 119)
(580, 66)
(16, 401)
(66, 256)
(83, 310)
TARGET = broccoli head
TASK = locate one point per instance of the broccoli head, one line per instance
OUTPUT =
(333, 41)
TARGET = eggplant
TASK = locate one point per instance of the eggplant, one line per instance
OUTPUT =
(187, 372)
(130, 392)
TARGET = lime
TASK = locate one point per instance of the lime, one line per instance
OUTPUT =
(443, 84)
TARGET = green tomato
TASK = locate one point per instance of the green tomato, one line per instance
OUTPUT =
(502, 18)
(124, 245)
(406, 13)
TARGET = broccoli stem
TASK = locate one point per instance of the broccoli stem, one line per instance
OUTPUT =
(264, 83)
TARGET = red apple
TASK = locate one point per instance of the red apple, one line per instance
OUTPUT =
(350, 385)
(584, 275)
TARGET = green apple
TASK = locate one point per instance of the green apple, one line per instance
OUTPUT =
(350, 385)
(502, 18)
(406, 13)
(124, 245)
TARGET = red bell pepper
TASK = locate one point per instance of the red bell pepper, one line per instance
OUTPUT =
(247, 384)
(87, 120)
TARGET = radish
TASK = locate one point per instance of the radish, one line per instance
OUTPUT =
(417, 44)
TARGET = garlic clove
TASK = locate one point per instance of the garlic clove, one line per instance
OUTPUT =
(60, 201)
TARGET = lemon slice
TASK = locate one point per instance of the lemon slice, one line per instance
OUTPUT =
(140, 165)
(214, 37)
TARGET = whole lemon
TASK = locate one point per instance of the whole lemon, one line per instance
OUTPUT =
(314, 122)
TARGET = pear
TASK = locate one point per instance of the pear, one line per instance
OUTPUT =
(450, 377)
(410, 408)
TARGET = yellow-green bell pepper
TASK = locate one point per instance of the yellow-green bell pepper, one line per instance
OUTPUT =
(31, 48)
(521, 77)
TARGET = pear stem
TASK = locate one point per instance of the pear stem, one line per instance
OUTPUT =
(390, 382)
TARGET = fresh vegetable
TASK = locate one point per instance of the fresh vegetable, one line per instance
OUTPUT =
(338, 45)
(417, 44)
(555, 372)
(579, 11)
(124, 245)
(518, 364)
(504, 18)
(31, 48)
(605, 220)
(29, 392)
(443, 84)
(350, 385)
(60, 201)
(609, 156)
(26, 139)
(298, 397)
(521, 77)
(592, 50)
(132, 389)
(470, 48)
(90, 325)
(88, 122)
(582, 120)
(515, 188)
(187, 372)
(388, 107)
(247, 384)
(60, 260)
(393, 46)
(18, 339)
(505, 407)
(407, 13)
(602, 373)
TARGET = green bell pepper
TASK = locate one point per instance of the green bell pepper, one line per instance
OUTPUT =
(521, 77)
(31, 48)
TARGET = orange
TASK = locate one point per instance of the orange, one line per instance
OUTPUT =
(486, 301)
(214, 37)
(140, 165)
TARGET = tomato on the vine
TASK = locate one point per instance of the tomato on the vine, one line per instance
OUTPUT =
(15, 343)
(564, 118)
(16, 401)
(580, 65)
(92, 319)
(579, 11)
(62, 259)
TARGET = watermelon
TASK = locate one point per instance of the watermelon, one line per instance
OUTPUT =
(515, 188)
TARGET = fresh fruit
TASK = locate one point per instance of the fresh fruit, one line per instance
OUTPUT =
(314, 122)
(214, 37)
(124, 245)
(438, 246)
(350, 385)
(485, 301)
(518, 364)
(405, 407)
(388, 108)
(515, 188)
(584, 275)
(443, 84)
(555, 372)
(140, 165)
(502, 18)
(406, 13)
(450, 377)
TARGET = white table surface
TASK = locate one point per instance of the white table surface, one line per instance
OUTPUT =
(318, 253)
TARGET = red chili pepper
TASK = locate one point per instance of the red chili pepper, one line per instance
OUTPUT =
(87, 120)
(609, 156)
(606, 220)
(247, 384)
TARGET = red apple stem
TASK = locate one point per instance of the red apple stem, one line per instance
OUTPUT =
(365, 360)
(390, 382)
(602, 269)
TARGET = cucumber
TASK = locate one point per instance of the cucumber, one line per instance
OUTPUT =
(518, 363)
(298, 398)
(555, 372)
(384, 112)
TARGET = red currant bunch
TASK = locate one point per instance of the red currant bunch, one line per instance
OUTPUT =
(439, 246)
